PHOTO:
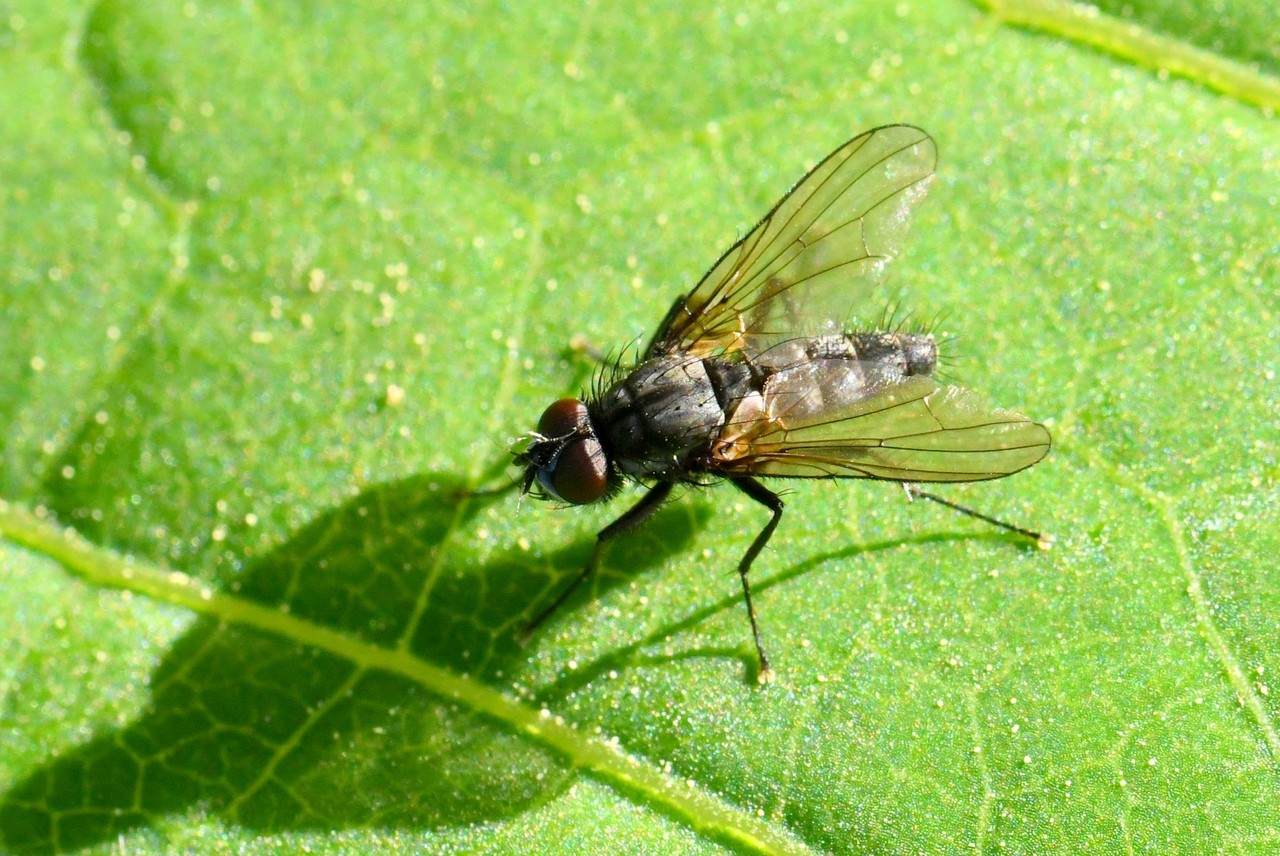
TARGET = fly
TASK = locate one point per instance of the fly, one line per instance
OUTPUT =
(755, 373)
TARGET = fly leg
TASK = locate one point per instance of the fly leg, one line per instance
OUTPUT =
(634, 516)
(1043, 539)
(771, 501)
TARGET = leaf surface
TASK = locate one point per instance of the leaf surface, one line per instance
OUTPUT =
(283, 281)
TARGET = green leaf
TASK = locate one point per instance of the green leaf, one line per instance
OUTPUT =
(283, 281)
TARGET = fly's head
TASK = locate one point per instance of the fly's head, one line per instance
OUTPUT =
(564, 457)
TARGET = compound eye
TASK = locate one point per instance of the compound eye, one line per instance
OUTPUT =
(579, 474)
(562, 418)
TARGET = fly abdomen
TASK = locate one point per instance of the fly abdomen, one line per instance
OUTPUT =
(884, 355)
(900, 355)
(825, 374)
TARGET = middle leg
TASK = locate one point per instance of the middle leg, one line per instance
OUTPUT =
(771, 501)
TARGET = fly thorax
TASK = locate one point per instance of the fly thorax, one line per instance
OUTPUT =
(659, 416)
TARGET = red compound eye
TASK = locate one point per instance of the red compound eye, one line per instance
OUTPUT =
(562, 418)
(580, 474)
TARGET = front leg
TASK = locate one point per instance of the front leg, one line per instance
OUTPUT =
(771, 501)
(633, 517)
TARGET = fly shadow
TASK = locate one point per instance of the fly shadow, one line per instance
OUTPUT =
(276, 736)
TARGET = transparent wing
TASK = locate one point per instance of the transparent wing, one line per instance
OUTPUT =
(914, 431)
(811, 259)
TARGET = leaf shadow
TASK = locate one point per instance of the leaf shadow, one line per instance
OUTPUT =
(276, 736)
(639, 652)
